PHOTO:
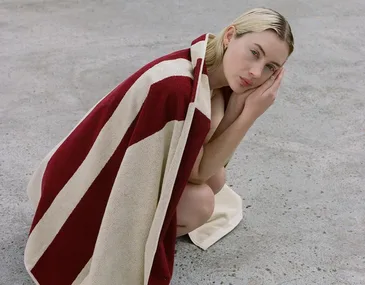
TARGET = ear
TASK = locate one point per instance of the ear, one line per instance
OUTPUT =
(228, 35)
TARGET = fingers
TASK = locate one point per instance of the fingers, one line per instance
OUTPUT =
(276, 85)
(272, 91)
(270, 87)
(278, 79)
(277, 73)
(269, 82)
(277, 76)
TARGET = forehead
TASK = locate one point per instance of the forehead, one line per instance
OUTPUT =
(274, 48)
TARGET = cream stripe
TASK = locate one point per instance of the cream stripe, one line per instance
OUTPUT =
(103, 148)
(197, 51)
(82, 278)
(120, 247)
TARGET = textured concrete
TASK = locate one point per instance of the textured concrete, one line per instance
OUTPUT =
(300, 170)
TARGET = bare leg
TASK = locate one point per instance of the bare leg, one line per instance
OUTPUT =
(196, 204)
(195, 207)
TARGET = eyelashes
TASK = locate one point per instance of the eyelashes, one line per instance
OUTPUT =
(256, 54)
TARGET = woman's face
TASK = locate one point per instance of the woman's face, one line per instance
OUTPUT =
(251, 59)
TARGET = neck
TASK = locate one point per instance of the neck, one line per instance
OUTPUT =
(216, 78)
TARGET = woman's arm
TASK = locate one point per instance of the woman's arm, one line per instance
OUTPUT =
(214, 154)
(234, 109)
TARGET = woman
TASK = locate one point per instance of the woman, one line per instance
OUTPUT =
(142, 167)
(247, 58)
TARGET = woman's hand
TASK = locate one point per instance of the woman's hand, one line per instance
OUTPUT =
(259, 100)
(236, 103)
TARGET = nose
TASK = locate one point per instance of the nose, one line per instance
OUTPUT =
(256, 71)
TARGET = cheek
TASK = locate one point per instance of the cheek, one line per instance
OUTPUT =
(236, 62)
(229, 63)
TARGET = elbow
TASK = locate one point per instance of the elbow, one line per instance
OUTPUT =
(195, 178)
(196, 181)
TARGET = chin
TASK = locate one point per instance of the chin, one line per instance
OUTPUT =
(237, 88)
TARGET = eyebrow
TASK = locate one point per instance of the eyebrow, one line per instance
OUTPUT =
(262, 50)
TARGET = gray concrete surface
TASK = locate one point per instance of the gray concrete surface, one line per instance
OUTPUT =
(300, 170)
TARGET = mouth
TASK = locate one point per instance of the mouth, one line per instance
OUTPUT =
(246, 82)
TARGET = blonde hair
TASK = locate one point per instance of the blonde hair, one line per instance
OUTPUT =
(255, 20)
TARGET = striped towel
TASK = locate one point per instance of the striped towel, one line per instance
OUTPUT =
(105, 196)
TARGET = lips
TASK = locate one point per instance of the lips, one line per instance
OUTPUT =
(246, 82)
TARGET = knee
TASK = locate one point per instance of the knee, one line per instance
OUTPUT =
(195, 207)
(205, 204)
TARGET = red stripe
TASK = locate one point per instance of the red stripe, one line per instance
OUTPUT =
(76, 239)
(205, 70)
(73, 151)
(168, 101)
(199, 39)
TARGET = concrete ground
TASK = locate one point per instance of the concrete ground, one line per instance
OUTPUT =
(300, 170)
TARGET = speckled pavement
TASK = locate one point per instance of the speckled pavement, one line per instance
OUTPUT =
(300, 169)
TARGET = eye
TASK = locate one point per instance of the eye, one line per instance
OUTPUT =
(255, 53)
(271, 67)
